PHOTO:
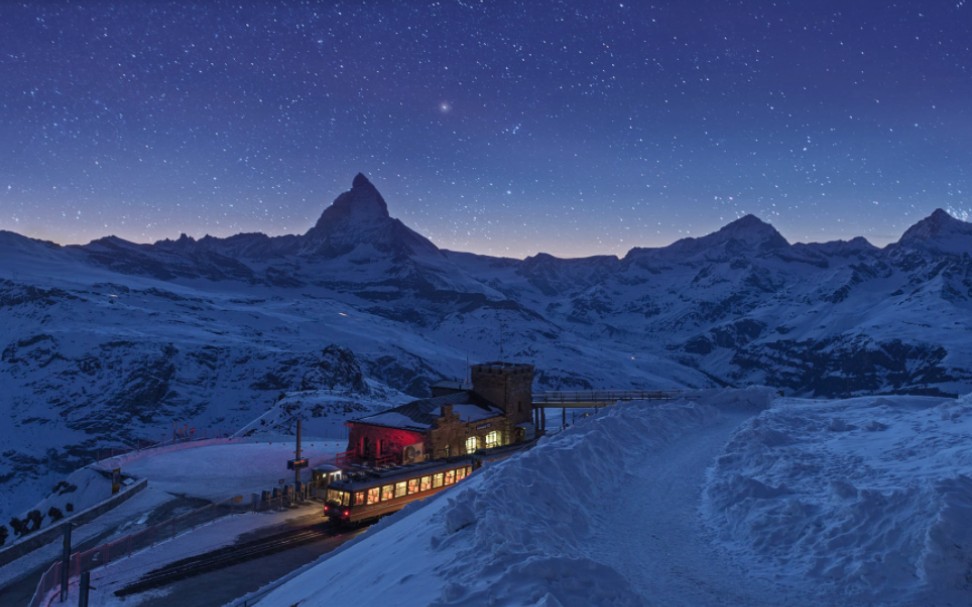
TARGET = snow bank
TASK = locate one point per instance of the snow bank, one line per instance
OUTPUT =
(516, 533)
(869, 499)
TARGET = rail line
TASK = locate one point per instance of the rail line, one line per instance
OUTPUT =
(224, 557)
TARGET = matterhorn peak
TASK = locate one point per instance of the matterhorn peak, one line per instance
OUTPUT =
(359, 217)
(361, 204)
(361, 181)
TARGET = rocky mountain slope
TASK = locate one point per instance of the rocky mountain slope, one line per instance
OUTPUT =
(112, 343)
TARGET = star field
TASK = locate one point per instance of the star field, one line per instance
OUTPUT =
(508, 128)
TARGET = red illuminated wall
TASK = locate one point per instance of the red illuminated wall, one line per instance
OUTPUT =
(378, 442)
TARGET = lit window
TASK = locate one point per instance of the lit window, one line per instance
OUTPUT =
(374, 495)
(450, 477)
(400, 488)
(412, 486)
(426, 483)
(472, 443)
(437, 480)
(492, 439)
(460, 474)
(387, 492)
(359, 497)
(338, 496)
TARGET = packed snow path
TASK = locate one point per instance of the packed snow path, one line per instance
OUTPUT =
(653, 534)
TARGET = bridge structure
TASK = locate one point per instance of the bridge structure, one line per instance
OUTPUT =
(589, 399)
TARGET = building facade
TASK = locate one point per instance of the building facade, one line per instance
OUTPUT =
(494, 411)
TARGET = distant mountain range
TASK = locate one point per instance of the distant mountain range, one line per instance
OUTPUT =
(113, 342)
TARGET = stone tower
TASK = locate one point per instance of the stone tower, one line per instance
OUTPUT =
(508, 385)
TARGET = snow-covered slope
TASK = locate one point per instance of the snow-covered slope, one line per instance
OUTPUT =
(722, 499)
(870, 498)
(114, 343)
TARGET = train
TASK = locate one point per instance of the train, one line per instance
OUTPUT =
(358, 497)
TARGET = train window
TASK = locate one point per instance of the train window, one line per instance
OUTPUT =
(400, 489)
(450, 477)
(492, 439)
(359, 498)
(472, 443)
(387, 492)
(460, 474)
(437, 480)
(374, 494)
(425, 484)
(413, 486)
(336, 495)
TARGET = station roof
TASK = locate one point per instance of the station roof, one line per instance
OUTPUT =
(420, 415)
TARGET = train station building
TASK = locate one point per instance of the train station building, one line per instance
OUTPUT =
(494, 411)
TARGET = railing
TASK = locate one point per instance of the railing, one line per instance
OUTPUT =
(345, 459)
(601, 396)
(106, 553)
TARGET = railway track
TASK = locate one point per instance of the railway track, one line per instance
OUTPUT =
(224, 557)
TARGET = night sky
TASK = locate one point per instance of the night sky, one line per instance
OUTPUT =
(508, 128)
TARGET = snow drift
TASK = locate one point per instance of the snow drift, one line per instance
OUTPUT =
(869, 499)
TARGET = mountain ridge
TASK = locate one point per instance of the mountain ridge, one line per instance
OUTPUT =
(116, 342)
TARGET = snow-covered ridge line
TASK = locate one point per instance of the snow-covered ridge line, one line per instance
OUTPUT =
(113, 343)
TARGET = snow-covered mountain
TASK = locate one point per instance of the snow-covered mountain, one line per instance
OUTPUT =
(113, 342)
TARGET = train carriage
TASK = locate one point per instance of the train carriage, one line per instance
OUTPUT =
(366, 495)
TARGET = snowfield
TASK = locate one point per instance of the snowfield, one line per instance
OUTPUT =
(869, 498)
(726, 498)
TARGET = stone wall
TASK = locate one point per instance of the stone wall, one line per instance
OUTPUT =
(448, 437)
(509, 386)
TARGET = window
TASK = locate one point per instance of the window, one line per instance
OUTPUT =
(493, 439)
(387, 492)
(472, 443)
(460, 474)
(336, 495)
(412, 486)
(437, 480)
(359, 498)
(400, 488)
(450, 477)
(426, 483)
(374, 495)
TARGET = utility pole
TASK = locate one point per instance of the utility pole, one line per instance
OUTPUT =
(85, 588)
(66, 561)
(297, 458)
(297, 463)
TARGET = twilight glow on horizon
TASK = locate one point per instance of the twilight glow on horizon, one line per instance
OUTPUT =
(507, 128)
